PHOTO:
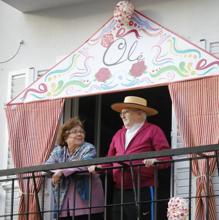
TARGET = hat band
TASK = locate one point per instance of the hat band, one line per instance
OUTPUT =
(132, 103)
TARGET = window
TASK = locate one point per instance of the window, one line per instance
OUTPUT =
(214, 48)
(17, 81)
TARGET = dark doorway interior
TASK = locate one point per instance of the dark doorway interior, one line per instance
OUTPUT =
(157, 98)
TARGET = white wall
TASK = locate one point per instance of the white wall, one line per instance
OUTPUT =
(52, 33)
(192, 19)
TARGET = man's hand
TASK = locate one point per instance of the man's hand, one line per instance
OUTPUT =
(92, 168)
(56, 177)
(149, 162)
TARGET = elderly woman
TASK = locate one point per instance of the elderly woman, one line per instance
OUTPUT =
(71, 192)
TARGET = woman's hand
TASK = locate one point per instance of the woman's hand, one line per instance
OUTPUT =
(93, 168)
(57, 177)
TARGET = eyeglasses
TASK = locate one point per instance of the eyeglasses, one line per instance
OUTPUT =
(128, 111)
(76, 131)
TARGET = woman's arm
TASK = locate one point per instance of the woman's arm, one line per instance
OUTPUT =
(88, 153)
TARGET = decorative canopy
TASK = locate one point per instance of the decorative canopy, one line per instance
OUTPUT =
(137, 54)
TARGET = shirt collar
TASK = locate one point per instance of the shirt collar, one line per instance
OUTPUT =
(135, 127)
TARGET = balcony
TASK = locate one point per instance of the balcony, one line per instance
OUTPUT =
(29, 177)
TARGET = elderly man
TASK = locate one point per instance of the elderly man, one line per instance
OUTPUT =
(136, 136)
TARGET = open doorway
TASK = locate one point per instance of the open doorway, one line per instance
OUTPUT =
(95, 109)
(157, 98)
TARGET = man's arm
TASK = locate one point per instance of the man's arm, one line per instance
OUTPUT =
(159, 143)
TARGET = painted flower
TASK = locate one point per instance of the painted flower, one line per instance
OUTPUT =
(138, 69)
(107, 40)
(103, 74)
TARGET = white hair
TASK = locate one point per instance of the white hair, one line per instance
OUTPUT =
(144, 115)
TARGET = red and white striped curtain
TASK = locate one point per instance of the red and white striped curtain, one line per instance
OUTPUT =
(196, 105)
(32, 131)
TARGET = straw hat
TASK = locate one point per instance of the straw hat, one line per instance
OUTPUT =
(134, 102)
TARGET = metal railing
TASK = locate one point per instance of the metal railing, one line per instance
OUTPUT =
(31, 176)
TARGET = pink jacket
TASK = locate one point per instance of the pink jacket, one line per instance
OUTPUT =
(148, 138)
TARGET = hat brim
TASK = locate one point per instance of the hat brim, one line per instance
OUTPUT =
(119, 106)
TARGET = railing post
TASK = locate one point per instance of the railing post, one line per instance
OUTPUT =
(155, 190)
(36, 195)
(43, 196)
(217, 160)
(133, 183)
(190, 188)
(12, 199)
(58, 201)
(207, 186)
(172, 166)
(105, 198)
(139, 191)
(122, 194)
(90, 196)
(26, 199)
